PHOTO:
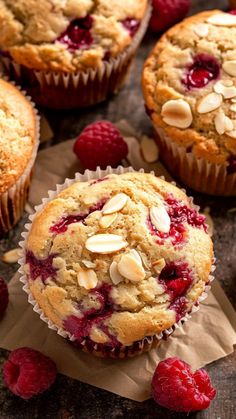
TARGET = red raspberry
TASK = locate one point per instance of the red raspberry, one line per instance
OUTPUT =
(175, 387)
(168, 12)
(100, 144)
(3, 297)
(28, 372)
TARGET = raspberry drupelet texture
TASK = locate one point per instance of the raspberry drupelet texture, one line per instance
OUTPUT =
(100, 144)
(103, 274)
(4, 297)
(167, 12)
(177, 388)
(28, 372)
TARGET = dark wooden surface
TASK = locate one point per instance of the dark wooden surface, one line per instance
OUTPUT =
(71, 399)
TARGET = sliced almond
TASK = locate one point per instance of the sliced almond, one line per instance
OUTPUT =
(116, 277)
(233, 107)
(88, 264)
(223, 123)
(158, 265)
(105, 243)
(177, 113)
(201, 29)
(115, 204)
(136, 255)
(160, 218)
(222, 19)
(28, 208)
(209, 103)
(130, 268)
(225, 88)
(231, 134)
(149, 149)
(107, 220)
(233, 100)
(230, 67)
(87, 278)
(11, 256)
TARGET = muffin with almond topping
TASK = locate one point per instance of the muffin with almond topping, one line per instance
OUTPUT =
(189, 86)
(71, 54)
(114, 263)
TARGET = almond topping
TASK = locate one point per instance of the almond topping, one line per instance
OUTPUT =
(158, 265)
(209, 103)
(136, 256)
(11, 256)
(114, 273)
(231, 134)
(149, 149)
(223, 123)
(116, 203)
(88, 264)
(230, 67)
(105, 243)
(222, 19)
(160, 219)
(225, 88)
(130, 268)
(233, 107)
(177, 113)
(233, 100)
(87, 278)
(201, 29)
(107, 220)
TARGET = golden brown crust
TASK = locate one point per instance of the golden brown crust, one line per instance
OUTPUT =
(162, 78)
(29, 31)
(17, 134)
(142, 306)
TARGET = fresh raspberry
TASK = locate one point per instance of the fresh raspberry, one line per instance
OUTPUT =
(175, 387)
(3, 297)
(100, 144)
(28, 372)
(168, 12)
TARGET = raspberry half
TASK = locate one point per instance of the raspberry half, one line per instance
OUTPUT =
(28, 372)
(177, 388)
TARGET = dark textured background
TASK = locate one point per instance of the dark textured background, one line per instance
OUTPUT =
(71, 399)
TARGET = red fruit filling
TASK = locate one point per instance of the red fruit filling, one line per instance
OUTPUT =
(131, 25)
(204, 69)
(180, 307)
(231, 168)
(177, 388)
(80, 328)
(41, 268)
(62, 225)
(78, 34)
(176, 278)
(179, 214)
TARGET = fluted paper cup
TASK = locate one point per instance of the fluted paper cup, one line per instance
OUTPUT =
(136, 348)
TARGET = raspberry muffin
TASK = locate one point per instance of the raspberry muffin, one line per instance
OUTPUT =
(70, 54)
(114, 263)
(189, 87)
(18, 147)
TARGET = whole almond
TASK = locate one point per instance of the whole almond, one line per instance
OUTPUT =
(130, 268)
(87, 278)
(177, 113)
(105, 243)
(115, 204)
(160, 218)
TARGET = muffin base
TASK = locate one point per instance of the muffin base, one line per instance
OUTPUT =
(137, 348)
(196, 173)
(59, 90)
(12, 202)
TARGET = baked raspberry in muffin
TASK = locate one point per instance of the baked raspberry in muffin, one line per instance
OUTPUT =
(115, 262)
(18, 147)
(189, 86)
(71, 53)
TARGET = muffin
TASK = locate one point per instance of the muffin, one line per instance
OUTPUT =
(71, 54)
(18, 148)
(189, 87)
(115, 263)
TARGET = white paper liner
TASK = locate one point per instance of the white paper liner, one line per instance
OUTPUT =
(15, 197)
(195, 172)
(148, 342)
(95, 84)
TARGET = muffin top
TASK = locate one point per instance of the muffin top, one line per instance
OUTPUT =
(67, 35)
(18, 134)
(114, 260)
(189, 85)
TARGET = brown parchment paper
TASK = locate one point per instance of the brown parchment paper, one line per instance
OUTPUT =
(208, 336)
